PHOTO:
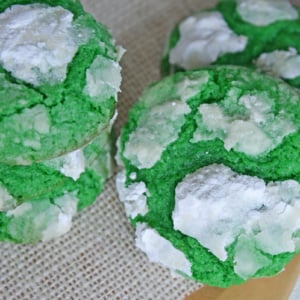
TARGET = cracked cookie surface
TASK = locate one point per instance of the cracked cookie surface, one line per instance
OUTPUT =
(211, 174)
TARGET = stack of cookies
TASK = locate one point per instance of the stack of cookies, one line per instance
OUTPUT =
(60, 76)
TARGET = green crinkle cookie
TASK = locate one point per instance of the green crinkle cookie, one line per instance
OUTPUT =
(38, 202)
(211, 177)
(252, 33)
(59, 79)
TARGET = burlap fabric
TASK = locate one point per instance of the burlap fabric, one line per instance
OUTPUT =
(97, 258)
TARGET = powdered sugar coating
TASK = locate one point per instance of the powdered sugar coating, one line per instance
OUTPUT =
(218, 206)
(203, 38)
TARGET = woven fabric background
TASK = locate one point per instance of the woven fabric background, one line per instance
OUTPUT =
(97, 258)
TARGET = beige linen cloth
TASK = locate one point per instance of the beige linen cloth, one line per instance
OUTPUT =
(97, 259)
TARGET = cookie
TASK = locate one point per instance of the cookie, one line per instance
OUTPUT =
(39, 201)
(211, 179)
(257, 34)
(60, 76)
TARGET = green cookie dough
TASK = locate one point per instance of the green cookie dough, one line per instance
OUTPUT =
(211, 174)
(60, 76)
(259, 34)
(37, 202)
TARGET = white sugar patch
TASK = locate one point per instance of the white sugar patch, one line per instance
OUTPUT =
(37, 42)
(204, 38)
(156, 130)
(280, 63)
(20, 210)
(103, 79)
(7, 202)
(61, 214)
(134, 196)
(42, 220)
(160, 250)
(218, 206)
(189, 86)
(265, 12)
(254, 130)
(73, 164)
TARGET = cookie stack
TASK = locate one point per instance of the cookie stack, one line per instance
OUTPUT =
(210, 156)
(60, 76)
